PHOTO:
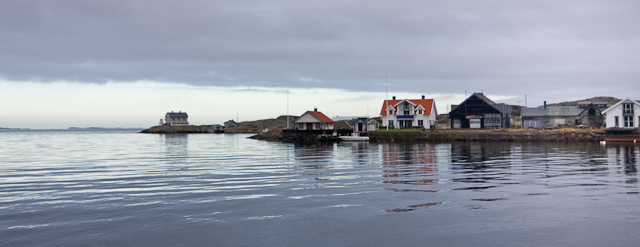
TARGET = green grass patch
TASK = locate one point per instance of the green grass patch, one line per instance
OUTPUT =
(400, 130)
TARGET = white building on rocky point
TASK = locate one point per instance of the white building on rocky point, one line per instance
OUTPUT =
(176, 119)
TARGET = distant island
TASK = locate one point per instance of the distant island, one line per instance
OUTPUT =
(102, 128)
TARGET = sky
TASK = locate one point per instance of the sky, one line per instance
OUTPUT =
(126, 63)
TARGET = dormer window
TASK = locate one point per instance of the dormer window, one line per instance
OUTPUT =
(420, 111)
(627, 108)
(390, 112)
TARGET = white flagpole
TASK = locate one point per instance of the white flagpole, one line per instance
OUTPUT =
(386, 108)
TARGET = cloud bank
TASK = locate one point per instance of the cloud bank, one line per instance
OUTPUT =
(545, 48)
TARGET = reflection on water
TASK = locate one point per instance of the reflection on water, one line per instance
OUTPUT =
(176, 148)
(412, 164)
(127, 189)
(626, 156)
(314, 156)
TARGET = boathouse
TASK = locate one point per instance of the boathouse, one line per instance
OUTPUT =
(176, 118)
(408, 113)
(477, 112)
(359, 125)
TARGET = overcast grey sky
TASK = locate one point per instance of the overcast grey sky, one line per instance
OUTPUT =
(550, 50)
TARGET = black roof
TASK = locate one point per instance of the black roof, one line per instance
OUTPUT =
(177, 114)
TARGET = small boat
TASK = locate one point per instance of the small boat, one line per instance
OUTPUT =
(354, 137)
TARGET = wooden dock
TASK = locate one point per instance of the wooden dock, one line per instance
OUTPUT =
(621, 135)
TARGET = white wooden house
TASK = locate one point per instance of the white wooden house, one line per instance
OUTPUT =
(313, 120)
(624, 114)
(408, 113)
(176, 119)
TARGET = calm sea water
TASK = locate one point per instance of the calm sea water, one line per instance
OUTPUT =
(119, 188)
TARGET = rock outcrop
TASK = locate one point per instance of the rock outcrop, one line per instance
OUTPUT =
(165, 129)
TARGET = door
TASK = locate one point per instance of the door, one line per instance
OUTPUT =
(475, 123)
(456, 123)
(309, 126)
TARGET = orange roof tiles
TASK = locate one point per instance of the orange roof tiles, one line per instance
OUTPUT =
(426, 103)
(321, 116)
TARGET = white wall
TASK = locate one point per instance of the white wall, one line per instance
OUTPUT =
(617, 111)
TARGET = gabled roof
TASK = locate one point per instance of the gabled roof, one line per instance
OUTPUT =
(620, 102)
(552, 111)
(484, 98)
(464, 108)
(425, 103)
(177, 114)
(358, 120)
(319, 115)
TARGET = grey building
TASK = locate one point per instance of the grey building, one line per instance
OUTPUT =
(585, 114)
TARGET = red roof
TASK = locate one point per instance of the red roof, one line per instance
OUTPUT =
(426, 103)
(321, 116)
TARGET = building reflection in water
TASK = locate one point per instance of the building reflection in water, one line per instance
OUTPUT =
(480, 163)
(411, 164)
(314, 156)
(176, 148)
(413, 168)
(360, 151)
(314, 161)
(626, 157)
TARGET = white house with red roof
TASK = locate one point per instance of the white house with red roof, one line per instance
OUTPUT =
(408, 113)
(314, 120)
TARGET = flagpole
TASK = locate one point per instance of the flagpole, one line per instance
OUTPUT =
(287, 108)
(386, 100)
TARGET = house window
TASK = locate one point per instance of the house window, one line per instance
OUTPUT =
(628, 121)
(627, 108)
(391, 123)
(616, 121)
(420, 112)
(420, 122)
(406, 112)
(390, 112)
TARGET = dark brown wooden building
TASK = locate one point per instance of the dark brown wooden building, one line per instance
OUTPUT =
(477, 112)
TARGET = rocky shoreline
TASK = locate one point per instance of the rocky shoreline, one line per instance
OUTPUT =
(504, 135)
(446, 135)
(165, 129)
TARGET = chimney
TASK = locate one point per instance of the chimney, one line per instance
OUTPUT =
(422, 97)
(315, 109)
(393, 97)
(545, 104)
